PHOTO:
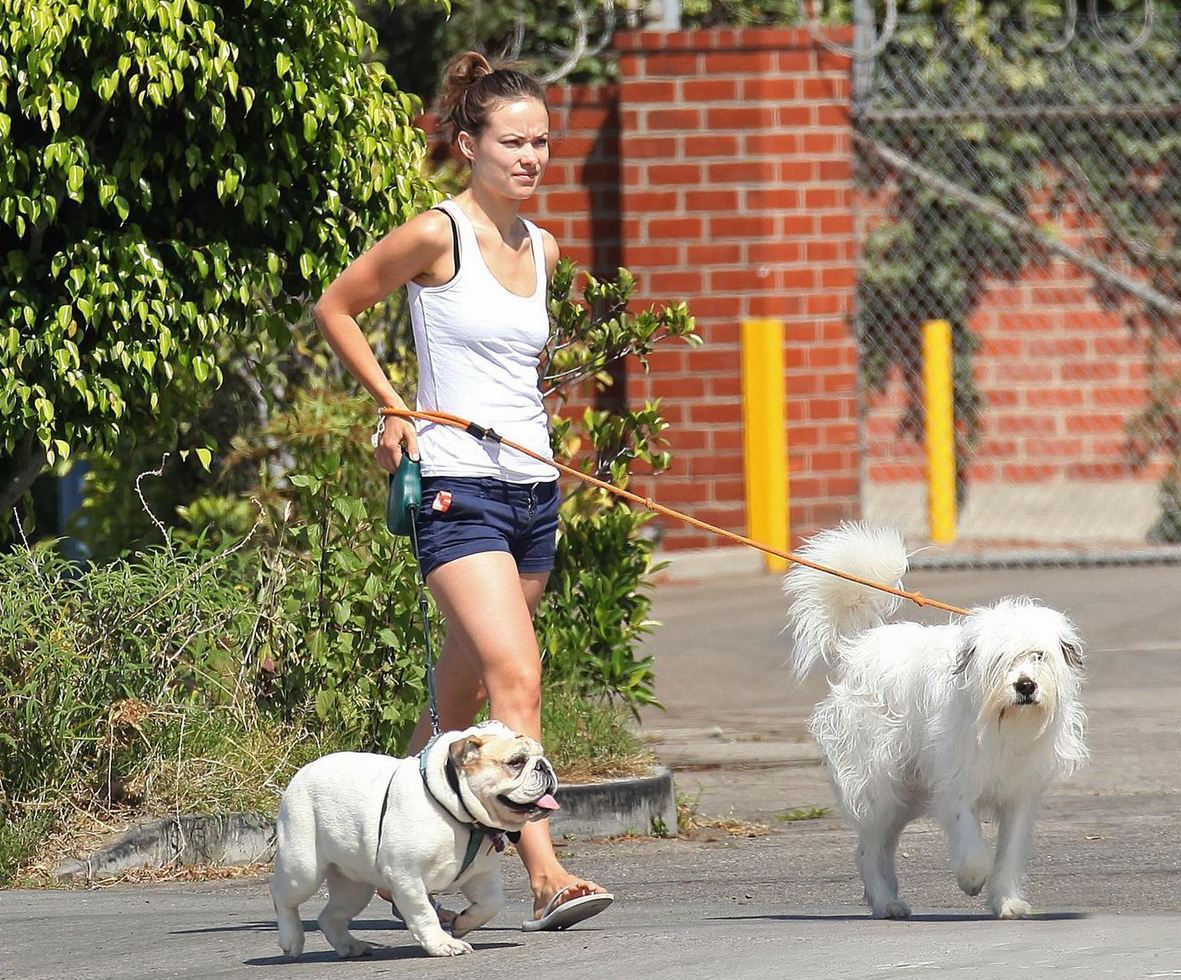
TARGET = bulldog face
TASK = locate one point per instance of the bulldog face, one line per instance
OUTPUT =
(505, 779)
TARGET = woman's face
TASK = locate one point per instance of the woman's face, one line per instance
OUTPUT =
(509, 157)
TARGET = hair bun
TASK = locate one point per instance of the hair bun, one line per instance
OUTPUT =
(462, 71)
(473, 87)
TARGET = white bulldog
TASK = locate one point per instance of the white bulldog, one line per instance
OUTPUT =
(415, 826)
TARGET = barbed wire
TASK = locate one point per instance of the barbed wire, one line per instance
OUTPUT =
(812, 26)
(1070, 15)
(1069, 31)
(1137, 42)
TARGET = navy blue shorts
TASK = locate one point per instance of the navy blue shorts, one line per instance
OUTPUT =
(463, 516)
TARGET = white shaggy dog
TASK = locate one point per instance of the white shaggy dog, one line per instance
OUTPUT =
(961, 721)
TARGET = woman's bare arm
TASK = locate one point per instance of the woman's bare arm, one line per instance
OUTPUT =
(420, 249)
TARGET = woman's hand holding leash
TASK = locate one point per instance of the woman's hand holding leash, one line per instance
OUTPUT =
(393, 433)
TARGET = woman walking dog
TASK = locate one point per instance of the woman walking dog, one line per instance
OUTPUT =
(476, 273)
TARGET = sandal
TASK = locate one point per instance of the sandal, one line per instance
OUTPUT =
(559, 915)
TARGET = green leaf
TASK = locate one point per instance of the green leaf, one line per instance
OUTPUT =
(75, 177)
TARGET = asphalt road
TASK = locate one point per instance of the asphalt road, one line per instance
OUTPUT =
(1106, 878)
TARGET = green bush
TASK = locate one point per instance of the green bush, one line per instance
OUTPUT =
(341, 640)
(197, 677)
(123, 685)
(201, 672)
(596, 605)
(76, 643)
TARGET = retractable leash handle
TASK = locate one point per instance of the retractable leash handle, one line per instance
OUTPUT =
(405, 499)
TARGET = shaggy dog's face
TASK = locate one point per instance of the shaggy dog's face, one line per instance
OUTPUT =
(1021, 658)
(1034, 679)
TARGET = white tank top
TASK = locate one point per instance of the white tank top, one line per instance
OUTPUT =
(478, 347)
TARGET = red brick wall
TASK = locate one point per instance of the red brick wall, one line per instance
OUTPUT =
(1062, 376)
(1062, 369)
(736, 197)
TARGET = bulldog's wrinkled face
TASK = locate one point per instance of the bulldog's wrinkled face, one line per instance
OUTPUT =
(505, 780)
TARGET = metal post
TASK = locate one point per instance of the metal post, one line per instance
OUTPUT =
(863, 39)
(764, 436)
(938, 396)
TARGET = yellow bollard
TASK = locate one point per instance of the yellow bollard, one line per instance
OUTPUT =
(938, 395)
(764, 436)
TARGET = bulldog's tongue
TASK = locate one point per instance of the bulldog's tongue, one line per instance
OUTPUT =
(547, 802)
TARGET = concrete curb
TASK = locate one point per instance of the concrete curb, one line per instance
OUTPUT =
(226, 839)
(1047, 558)
(615, 807)
(638, 805)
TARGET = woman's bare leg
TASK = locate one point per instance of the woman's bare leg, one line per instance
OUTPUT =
(491, 649)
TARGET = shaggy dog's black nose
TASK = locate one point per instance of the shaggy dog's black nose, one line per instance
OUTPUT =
(1025, 687)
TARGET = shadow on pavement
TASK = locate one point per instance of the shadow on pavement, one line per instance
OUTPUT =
(919, 917)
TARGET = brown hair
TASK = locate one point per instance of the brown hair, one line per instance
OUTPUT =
(473, 88)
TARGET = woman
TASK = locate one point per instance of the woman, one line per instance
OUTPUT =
(476, 275)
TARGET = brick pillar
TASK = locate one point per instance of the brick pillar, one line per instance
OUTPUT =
(736, 196)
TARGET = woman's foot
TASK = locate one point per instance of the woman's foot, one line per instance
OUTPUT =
(562, 906)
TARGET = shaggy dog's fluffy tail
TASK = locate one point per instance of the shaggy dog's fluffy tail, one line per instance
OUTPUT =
(825, 609)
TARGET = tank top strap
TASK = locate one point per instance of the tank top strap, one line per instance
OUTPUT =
(538, 256)
(469, 248)
(471, 259)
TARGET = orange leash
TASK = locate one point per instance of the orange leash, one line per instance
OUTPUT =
(481, 433)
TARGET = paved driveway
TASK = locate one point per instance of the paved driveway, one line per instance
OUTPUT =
(1107, 875)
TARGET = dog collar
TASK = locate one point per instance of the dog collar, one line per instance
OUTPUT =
(479, 832)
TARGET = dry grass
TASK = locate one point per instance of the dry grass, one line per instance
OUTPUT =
(692, 826)
(615, 767)
(186, 873)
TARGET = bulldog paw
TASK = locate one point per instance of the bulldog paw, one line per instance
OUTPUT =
(1014, 908)
(294, 951)
(446, 946)
(352, 948)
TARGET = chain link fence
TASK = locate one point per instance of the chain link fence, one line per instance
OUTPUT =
(1022, 181)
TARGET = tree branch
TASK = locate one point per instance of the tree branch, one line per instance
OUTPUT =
(1141, 290)
(27, 466)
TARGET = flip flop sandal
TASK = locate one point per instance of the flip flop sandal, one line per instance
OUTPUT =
(562, 915)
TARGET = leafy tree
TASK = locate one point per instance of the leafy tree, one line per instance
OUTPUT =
(175, 174)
